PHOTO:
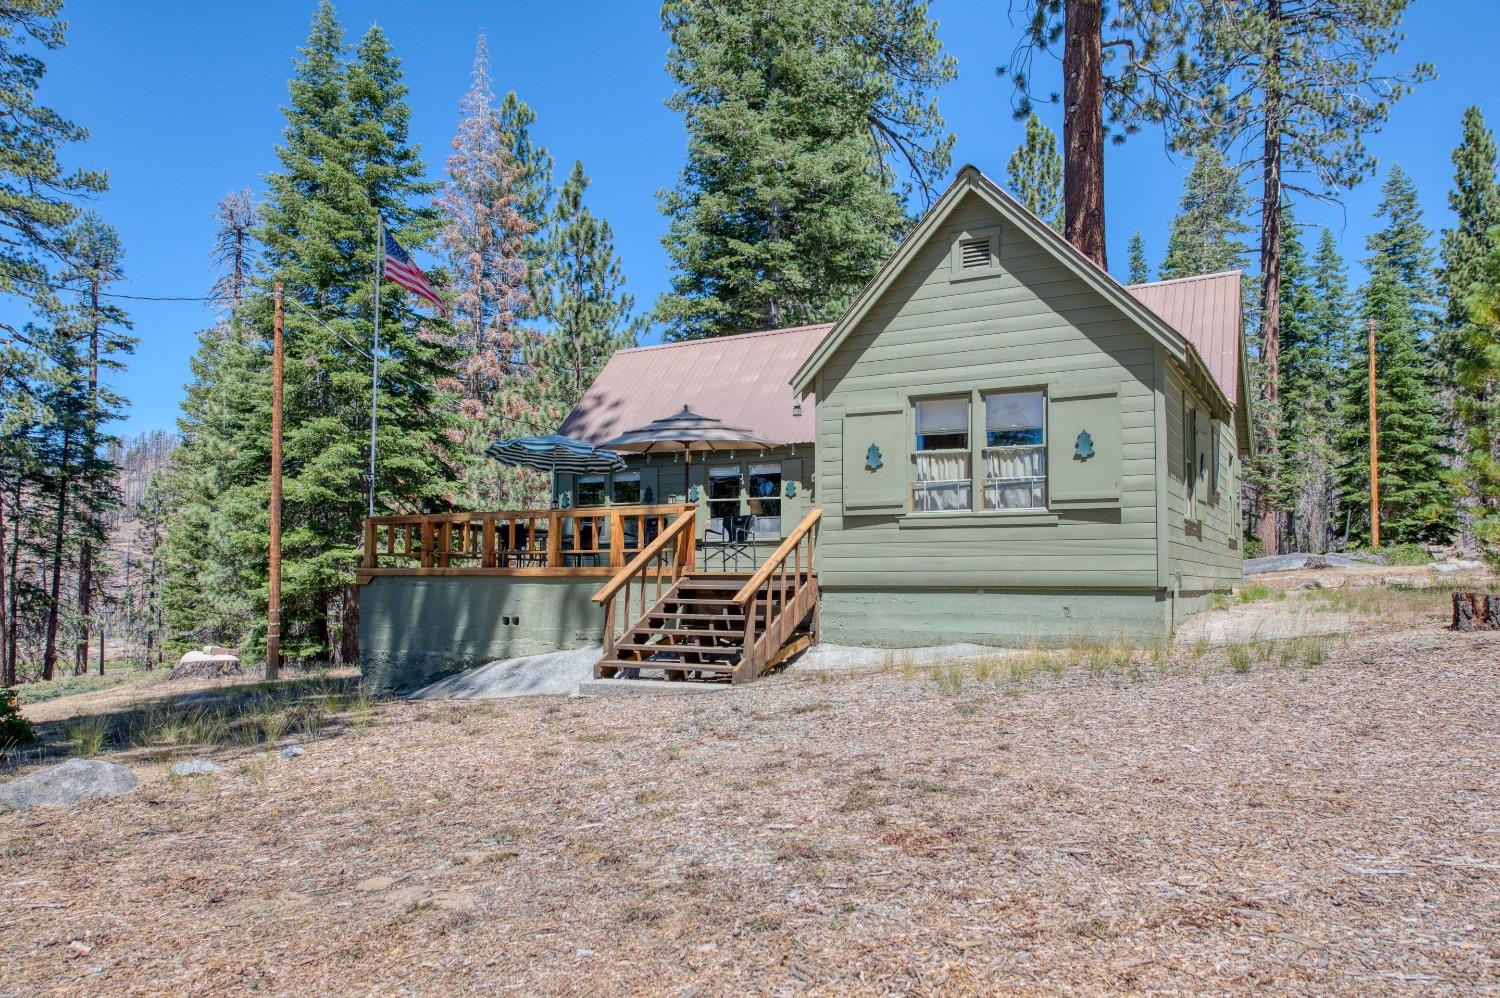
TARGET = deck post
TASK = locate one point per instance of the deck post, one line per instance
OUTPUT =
(426, 543)
(369, 543)
(554, 539)
(487, 553)
(616, 540)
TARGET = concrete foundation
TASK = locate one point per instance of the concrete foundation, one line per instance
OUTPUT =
(415, 629)
(883, 618)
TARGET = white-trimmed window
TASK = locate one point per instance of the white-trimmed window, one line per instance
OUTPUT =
(1015, 450)
(1189, 457)
(724, 484)
(765, 498)
(944, 479)
(627, 488)
(590, 490)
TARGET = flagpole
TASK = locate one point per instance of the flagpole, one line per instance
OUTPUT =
(375, 352)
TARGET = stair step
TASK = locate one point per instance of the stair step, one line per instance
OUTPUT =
(659, 649)
(692, 632)
(733, 618)
(623, 663)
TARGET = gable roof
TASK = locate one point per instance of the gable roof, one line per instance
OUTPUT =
(1205, 309)
(1177, 342)
(743, 379)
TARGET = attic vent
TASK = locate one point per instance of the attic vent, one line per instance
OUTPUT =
(975, 253)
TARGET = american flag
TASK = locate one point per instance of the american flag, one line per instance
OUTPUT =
(397, 266)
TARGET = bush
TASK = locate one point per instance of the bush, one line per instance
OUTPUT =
(15, 730)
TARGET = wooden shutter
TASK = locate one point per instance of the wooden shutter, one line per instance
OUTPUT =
(1077, 478)
(875, 481)
(649, 481)
(1203, 458)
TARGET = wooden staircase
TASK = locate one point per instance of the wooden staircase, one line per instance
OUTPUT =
(716, 626)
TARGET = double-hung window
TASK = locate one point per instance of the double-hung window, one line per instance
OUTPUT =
(1015, 450)
(627, 486)
(724, 484)
(944, 478)
(765, 498)
(590, 490)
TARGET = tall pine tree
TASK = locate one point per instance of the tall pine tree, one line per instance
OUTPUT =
(795, 112)
(1035, 172)
(588, 308)
(1204, 237)
(1479, 406)
(1140, 270)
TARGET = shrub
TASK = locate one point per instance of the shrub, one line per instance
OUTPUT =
(15, 730)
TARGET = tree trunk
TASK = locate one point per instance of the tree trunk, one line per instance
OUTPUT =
(1267, 526)
(85, 607)
(13, 597)
(1083, 129)
(49, 652)
(7, 661)
(86, 556)
(349, 628)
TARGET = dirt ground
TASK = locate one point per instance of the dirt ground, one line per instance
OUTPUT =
(1289, 818)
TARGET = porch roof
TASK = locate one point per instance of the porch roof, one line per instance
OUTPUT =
(743, 379)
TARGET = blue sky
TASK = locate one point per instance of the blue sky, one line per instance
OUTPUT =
(183, 99)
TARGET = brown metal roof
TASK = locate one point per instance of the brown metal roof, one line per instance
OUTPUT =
(744, 380)
(1206, 310)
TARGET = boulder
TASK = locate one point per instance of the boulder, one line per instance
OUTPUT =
(67, 783)
(195, 766)
(1458, 565)
(1407, 581)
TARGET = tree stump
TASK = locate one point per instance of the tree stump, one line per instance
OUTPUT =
(1476, 612)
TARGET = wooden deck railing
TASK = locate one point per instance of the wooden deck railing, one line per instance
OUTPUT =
(648, 577)
(778, 598)
(589, 541)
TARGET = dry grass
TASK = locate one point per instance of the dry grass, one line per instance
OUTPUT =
(1094, 820)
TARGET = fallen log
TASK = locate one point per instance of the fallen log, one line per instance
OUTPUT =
(1476, 611)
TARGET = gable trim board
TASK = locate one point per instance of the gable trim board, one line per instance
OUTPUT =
(971, 181)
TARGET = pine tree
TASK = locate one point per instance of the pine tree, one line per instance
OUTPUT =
(1140, 270)
(1404, 245)
(533, 183)
(485, 235)
(1035, 171)
(1415, 501)
(96, 256)
(38, 207)
(794, 111)
(1475, 202)
(1204, 235)
(588, 309)
(1479, 405)
(1315, 324)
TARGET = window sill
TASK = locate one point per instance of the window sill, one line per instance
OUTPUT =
(988, 517)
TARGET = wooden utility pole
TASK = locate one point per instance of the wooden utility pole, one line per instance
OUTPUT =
(273, 610)
(1374, 449)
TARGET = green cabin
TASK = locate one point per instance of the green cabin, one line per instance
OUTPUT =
(997, 443)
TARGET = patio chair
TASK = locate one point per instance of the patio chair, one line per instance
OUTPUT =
(731, 537)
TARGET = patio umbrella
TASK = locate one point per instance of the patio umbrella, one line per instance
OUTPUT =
(687, 431)
(555, 453)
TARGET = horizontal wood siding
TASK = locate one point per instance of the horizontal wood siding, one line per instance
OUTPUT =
(1033, 325)
(1200, 555)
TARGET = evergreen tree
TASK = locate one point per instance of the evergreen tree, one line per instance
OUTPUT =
(532, 185)
(1404, 246)
(1036, 172)
(1415, 502)
(589, 309)
(38, 204)
(794, 111)
(1479, 405)
(1475, 202)
(1204, 235)
(1140, 270)
(1315, 322)
(485, 234)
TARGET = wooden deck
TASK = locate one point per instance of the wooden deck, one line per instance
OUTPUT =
(579, 543)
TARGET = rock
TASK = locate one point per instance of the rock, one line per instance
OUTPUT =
(195, 766)
(1442, 552)
(68, 782)
(292, 751)
(203, 665)
(1459, 565)
(1317, 560)
(80, 948)
(370, 884)
(1407, 582)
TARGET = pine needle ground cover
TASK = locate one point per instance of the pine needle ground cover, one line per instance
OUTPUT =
(1314, 815)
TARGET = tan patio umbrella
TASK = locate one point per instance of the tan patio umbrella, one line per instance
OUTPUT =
(686, 431)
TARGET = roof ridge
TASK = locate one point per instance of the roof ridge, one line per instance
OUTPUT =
(728, 336)
(1180, 280)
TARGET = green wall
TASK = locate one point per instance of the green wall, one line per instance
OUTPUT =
(415, 629)
(1011, 618)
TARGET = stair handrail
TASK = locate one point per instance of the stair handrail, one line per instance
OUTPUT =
(793, 540)
(684, 522)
